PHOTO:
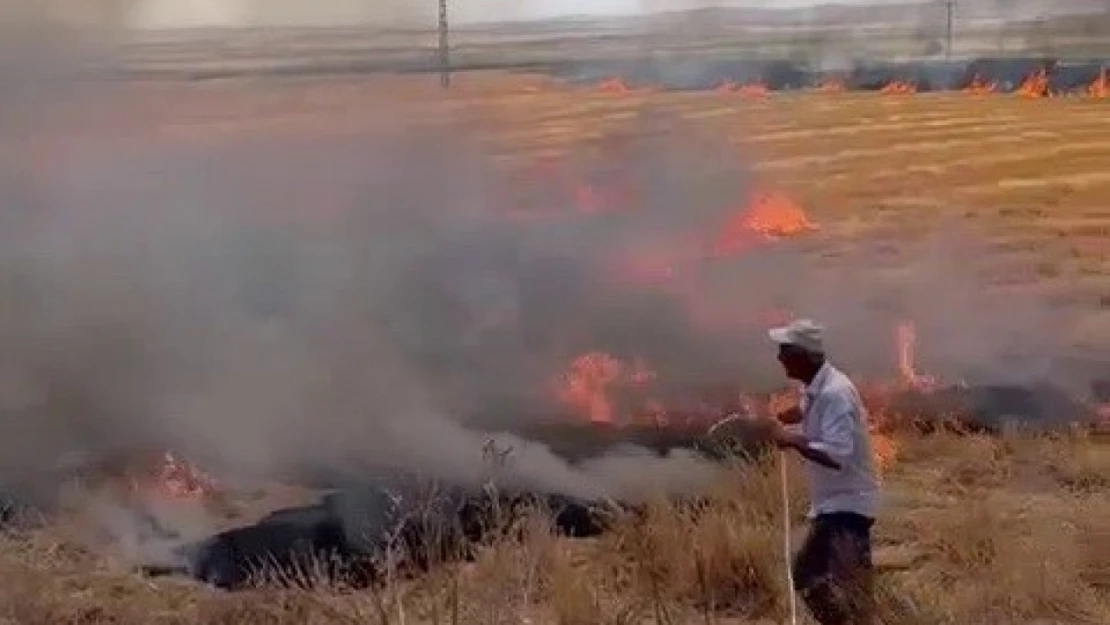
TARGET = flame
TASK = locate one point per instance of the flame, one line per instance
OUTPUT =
(899, 87)
(1100, 88)
(907, 348)
(980, 86)
(1035, 85)
(769, 215)
(614, 85)
(1103, 423)
(831, 85)
(175, 478)
(591, 382)
(884, 448)
(593, 198)
(755, 89)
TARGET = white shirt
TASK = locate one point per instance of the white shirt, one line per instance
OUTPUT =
(834, 421)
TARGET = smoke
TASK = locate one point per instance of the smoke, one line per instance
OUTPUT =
(270, 301)
(275, 303)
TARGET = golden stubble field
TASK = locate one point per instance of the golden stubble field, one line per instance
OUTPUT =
(978, 530)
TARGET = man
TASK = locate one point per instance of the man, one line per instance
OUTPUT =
(832, 569)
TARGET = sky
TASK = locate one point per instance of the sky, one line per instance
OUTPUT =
(171, 13)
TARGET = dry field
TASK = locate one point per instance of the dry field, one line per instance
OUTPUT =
(977, 530)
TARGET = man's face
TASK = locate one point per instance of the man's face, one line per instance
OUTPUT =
(794, 361)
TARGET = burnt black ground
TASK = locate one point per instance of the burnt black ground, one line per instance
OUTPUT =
(354, 536)
(993, 409)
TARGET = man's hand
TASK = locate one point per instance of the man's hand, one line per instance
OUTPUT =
(790, 416)
(772, 430)
(775, 432)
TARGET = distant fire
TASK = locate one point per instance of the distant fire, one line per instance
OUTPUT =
(614, 86)
(753, 89)
(831, 85)
(1100, 88)
(899, 87)
(1035, 85)
(980, 86)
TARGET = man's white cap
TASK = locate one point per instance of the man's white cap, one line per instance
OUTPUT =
(803, 334)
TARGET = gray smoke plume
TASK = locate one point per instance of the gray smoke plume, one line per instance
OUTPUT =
(269, 301)
(274, 303)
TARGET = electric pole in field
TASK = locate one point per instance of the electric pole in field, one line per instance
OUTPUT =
(950, 6)
(444, 47)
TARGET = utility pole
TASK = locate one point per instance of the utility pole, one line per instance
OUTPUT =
(950, 5)
(444, 47)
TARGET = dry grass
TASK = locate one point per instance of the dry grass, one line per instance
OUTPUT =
(978, 530)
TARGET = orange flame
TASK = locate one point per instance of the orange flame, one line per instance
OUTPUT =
(1102, 426)
(907, 348)
(1100, 88)
(755, 89)
(1035, 85)
(883, 447)
(831, 85)
(592, 198)
(175, 478)
(593, 379)
(899, 87)
(614, 85)
(980, 86)
(769, 215)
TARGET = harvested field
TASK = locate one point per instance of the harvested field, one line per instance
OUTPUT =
(978, 529)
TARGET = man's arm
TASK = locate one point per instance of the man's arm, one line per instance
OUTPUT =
(835, 442)
(808, 450)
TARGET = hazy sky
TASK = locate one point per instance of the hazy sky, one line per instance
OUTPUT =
(172, 13)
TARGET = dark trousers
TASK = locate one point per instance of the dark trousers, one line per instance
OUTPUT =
(833, 572)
